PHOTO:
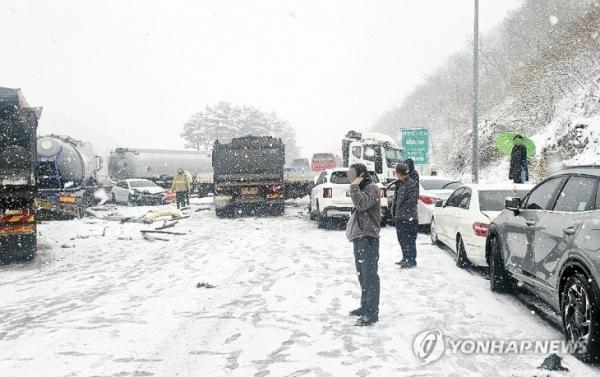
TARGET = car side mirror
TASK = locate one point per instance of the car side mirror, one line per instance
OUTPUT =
(513, 204)
(439, 203)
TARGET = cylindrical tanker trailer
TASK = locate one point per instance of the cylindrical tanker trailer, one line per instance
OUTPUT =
(160, 166)
(67, 176)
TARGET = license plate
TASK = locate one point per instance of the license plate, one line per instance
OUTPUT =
(44, 203)
(249, 191)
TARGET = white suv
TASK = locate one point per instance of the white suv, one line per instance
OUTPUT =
(330, 198)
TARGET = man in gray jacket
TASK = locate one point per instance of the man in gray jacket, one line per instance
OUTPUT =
(363, 231)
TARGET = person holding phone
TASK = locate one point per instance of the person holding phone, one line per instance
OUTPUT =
(363, 231)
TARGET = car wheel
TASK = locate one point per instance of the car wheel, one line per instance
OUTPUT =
(433, 233)
(311, 214)
(462, 261)
(500, 280)
(321, 220)
(580, 316)
(384, 219)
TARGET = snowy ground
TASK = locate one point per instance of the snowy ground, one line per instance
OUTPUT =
(118, 305)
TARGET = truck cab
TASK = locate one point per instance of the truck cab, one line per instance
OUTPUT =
(378, 152)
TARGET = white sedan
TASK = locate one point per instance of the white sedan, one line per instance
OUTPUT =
(462, 221)
(137, 191)
(431, 189)
(330, 198)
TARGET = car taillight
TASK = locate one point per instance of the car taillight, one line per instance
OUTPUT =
(327, 193)
(427, 199)
(275, 188)
(383, 193)
(481, 229)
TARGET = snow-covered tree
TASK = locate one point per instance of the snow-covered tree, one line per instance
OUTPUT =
(225, 121)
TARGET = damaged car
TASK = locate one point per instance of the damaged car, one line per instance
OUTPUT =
(137, 192)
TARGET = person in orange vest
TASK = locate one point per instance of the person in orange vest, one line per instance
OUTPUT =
(181, 185)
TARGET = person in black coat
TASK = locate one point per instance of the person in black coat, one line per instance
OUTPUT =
(404, 210)
(519, 171)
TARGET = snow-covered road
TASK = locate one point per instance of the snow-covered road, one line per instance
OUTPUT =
(118, 305)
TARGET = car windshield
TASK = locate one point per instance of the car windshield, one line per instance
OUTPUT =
(493, 200)
(341, 178)
(142, 183)
(440, 184)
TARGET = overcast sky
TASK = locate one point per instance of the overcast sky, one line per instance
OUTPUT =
(136, 70)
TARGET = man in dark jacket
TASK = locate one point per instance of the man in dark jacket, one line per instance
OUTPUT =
(404, 210)
(519, 171)
(363, 231)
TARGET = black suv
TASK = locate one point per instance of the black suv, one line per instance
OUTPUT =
(550, 243)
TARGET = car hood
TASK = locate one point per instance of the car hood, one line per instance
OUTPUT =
(149, 190)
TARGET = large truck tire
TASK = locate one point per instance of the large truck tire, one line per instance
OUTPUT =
(17, 248)
(278, 209)
(224, 212)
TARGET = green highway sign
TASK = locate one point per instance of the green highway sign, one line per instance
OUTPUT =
(415, 143)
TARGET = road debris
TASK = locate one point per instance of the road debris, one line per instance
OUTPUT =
(554, 363)
(205, 285)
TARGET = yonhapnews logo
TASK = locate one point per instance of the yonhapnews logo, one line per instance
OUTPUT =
(430, 345)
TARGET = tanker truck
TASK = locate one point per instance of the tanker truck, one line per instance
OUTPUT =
(66, 175)
(18, 127)
(160, 166)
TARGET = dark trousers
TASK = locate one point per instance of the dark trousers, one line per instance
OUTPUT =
(180, 196)
(187, 198)
(407, 231)
(366, 258)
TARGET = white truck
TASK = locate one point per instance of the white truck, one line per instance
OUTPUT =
(378, 152)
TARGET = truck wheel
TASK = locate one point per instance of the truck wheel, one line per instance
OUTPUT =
(225, 212)
(18, 248)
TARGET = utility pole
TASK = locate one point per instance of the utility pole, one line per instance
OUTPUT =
(475, 159)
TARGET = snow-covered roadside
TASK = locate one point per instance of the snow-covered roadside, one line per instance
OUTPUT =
(120, 305)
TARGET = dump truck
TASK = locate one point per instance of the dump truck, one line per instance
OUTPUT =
(160, 166)
(67, 177)
(18, 185)
(249, 176)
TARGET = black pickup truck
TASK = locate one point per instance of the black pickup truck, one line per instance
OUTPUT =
(18, 187)
(249, 176)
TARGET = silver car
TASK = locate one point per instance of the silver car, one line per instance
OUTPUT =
(549, 243)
